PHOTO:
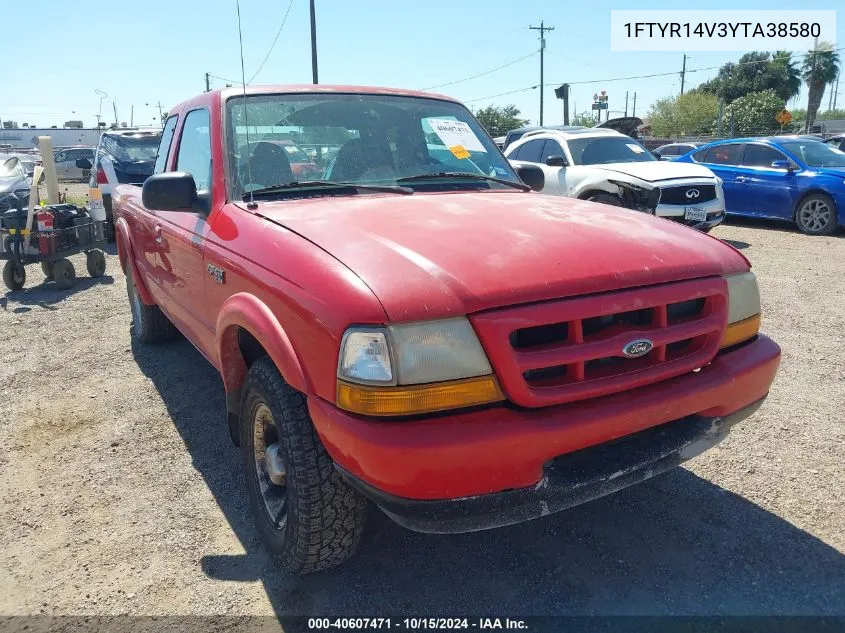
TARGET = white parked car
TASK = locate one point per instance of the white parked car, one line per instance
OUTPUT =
(603, 165)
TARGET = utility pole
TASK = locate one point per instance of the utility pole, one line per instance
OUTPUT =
(835, 94)
(683, 73)
(208, 82)
(132, 116)
(634, 113)
(626, 103)
(542, 28)
(313, 44)
(114, 105)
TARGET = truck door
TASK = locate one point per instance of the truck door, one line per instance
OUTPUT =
(180, 237)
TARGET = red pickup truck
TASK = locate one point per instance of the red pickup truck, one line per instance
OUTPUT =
(416, 328)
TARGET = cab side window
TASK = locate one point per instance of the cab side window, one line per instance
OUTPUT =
(760, 155)
(729, 154)
(195, 148)
(551, 148)
(164, 145)
(530, 152)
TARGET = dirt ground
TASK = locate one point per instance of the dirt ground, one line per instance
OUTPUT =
(120, 492)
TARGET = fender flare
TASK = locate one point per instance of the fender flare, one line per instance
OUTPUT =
(126, 254)
(244, 310)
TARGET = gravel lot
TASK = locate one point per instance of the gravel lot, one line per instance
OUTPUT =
(121, 493)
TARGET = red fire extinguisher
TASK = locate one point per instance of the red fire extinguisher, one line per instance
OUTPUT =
(45, 220)
(46, 241)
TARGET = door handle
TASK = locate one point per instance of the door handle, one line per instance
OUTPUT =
(740, 179)
(157, 234)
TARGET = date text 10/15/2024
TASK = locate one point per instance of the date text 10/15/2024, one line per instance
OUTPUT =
(429, 624)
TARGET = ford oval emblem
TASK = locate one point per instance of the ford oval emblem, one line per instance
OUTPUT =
(637, 348)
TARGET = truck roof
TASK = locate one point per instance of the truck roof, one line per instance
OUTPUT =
(234, 91)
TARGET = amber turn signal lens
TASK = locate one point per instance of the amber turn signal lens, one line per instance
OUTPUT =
(741, 331)
(414, 399)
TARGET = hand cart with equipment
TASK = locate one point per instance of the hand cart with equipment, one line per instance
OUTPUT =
(48, 235)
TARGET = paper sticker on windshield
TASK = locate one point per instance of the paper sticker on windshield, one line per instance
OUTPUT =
(635, 148)
(456, 133)
(459, 151)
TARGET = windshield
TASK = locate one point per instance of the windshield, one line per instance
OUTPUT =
(363, 139)
(599, 150)
(131, 148)
(816, 153)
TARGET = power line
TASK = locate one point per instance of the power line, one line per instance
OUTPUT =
(230, 81)
(690, 70)
(275, 39)
(501, 94)
(486, 72)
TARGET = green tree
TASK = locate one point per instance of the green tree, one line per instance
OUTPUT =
(756, 72)
(753, 114)
(500, 120)
(688, 114)
(819, 68)
(586, 118)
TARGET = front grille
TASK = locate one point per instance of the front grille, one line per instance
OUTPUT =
(562, 351)
(685, 194)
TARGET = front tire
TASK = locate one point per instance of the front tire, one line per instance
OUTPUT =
(816, 215)
(150, 324)
(307, 515)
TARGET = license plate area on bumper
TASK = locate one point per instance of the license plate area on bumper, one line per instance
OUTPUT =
(695, 214)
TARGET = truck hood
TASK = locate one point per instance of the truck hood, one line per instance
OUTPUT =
(433, 255)
(654, 171)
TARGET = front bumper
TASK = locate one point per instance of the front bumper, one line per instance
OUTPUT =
(490, 450)
(568, 480)
(715, 213)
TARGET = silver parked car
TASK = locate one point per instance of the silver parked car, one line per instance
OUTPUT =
(66, 168)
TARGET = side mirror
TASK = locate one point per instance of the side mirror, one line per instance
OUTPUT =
(784, 164)
(83, 163)
(532, 176)
(557, 161)
(170, 191)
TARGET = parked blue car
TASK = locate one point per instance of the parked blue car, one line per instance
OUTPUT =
(792, 178)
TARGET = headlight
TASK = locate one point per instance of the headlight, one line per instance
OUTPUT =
(743, 309)
(414, 368)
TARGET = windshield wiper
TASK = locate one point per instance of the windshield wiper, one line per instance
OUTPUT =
(460, 174)
(323, 184)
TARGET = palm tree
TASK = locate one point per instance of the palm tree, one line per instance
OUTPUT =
(819, 68)
(788, 73)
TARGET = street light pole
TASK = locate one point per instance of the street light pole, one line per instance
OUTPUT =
(103, 95)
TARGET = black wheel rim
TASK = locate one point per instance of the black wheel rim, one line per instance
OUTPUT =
(270, 473)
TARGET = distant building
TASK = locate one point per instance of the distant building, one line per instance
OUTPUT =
(27, 138)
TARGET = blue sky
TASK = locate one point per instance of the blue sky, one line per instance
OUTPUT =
(159, 50)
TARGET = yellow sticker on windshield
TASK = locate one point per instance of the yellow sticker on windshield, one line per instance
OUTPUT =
(459, 151)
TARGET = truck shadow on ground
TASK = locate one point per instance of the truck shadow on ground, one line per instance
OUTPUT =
(677, 544)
